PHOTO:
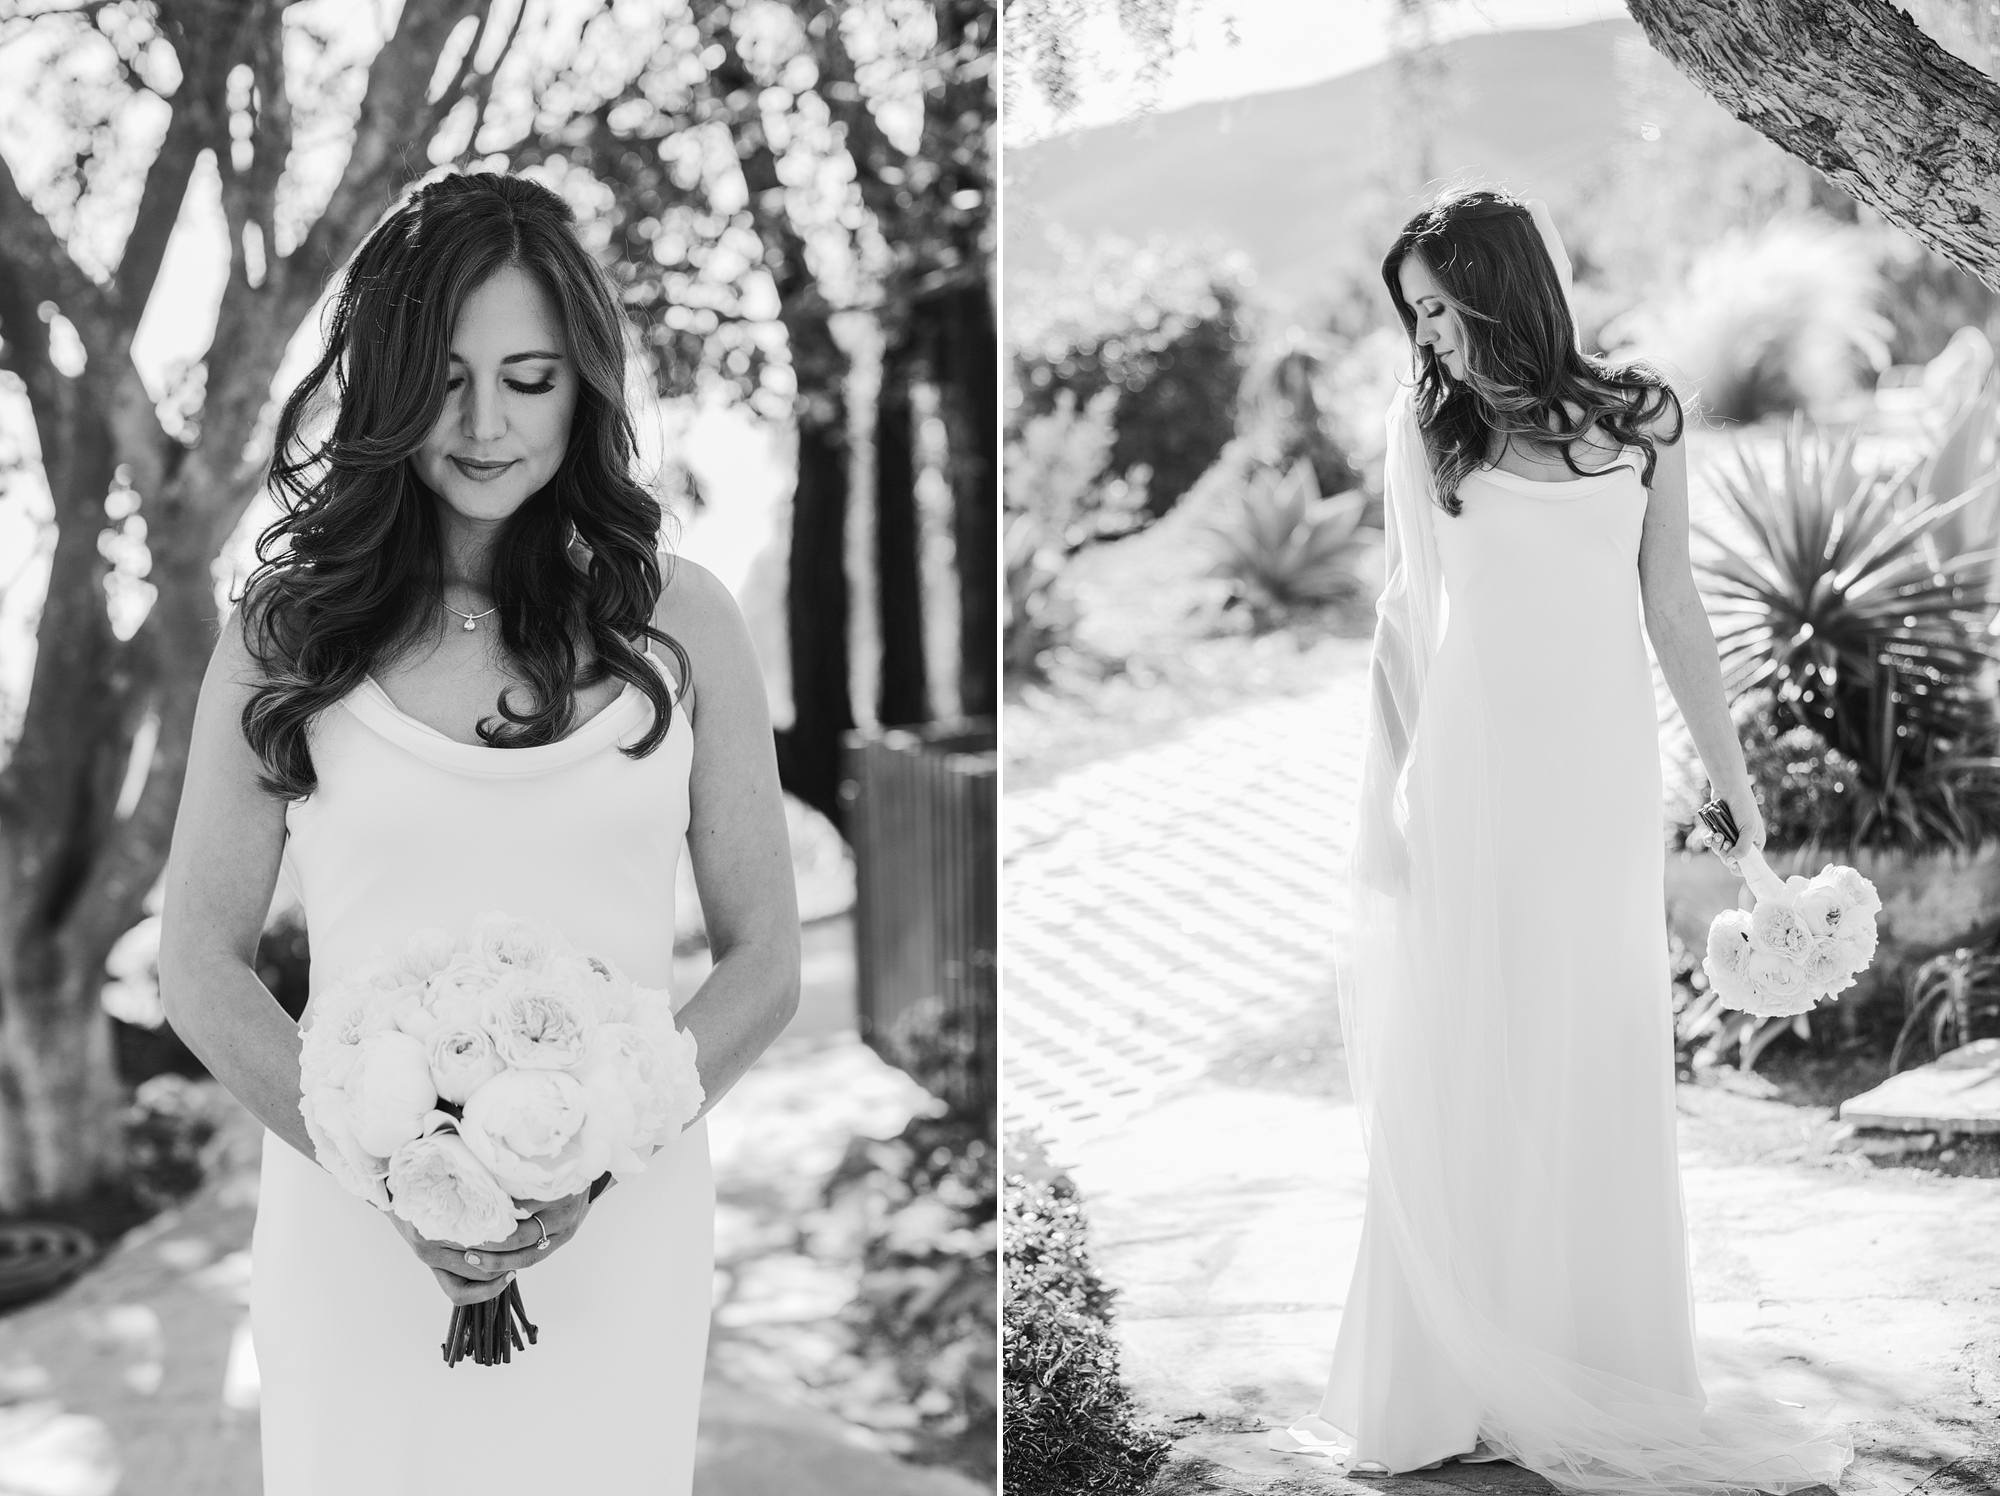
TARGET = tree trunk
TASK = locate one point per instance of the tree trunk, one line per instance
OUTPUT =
(1855, 89)
(964, 355)
(905, 687)
(816, 605)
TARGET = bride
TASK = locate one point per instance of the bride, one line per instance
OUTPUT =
(441, 697)
(1522, 1290)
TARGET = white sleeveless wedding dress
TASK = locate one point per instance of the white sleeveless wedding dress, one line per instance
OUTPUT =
(1523, 1275)
(410, 828)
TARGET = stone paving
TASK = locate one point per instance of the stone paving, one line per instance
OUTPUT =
(1156, 903)
(1170, 910)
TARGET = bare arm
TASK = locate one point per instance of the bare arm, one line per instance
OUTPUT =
(737, 839)
(228, 839)
(1683, 642)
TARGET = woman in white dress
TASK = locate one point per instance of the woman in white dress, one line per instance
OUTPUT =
(1522, 1290)
(463, 537)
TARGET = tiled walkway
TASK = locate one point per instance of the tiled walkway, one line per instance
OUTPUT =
(1158, 903)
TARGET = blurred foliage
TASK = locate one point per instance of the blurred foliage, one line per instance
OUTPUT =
(1070, 1425)
(1281, 546)
(925, 1203)
(1059, 497)
(1952, 999)
(1782, 318)
(168, 1128)
(1805, 789)
(1282, 410)
(1048, 51)
(1832, 591)
(949, 1050)
(1164, 327)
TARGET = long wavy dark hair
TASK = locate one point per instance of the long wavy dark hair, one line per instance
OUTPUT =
(1524, 374)
(352, 571)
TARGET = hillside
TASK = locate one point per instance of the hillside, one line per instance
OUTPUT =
(1296, 176)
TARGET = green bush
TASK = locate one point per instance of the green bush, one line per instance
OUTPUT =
(1160, 327)
(1281, 546)
(1283, 412)
(1785, 318)
(1833, 591)
(1070, 1426)
(1805, 789)
(923, 1205)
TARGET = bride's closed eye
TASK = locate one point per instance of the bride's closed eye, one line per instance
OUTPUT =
(527, 389)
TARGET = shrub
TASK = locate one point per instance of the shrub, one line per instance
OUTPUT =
(1283, 412)
(1161, 328)
(1781, 319)
(1281, 546)
(1805, 789)
(1070, 1426)
(923, 1204)
(1836, 597)
(1953, 999)
(1059, 498)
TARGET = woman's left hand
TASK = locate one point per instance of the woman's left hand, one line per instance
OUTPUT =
(525, 1248)
(1749, 826)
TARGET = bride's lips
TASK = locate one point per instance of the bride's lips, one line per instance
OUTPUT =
(479, 472)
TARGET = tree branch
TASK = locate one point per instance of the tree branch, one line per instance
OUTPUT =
(1855, 89)
(30, 249)
(159, 207)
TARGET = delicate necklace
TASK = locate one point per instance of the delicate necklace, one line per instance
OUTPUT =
(471, 619)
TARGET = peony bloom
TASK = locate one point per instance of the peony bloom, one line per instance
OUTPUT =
(1777, 983)
(506, 944)
(643, 1089)
(441, 1188)
(338, 1151)
(1822, 910)
(429, 950)
(462, 1060)
(1729, 940)
(536, 1023)
(1825, 965)
(527, 1127)
(389, 1091)
(1858, 893)
(1777, 928)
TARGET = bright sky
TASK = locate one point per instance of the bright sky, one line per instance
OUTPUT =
(1281, 44)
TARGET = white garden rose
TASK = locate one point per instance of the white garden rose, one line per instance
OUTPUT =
(426, 951)
(1859, 942)
(339, 1152)
(441, 1188)
(1825, 966)
(1777, 928)
(505, 943)
(389, 1091)
(1732, 987)
(1862, 900)
(340, 1018)
(1729, 940)
(1777, 984)
(643, 1089)
(462, 1060)
(1822, 909)
(537, 1024)
(527, 1127)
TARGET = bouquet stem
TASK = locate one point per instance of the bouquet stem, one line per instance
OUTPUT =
(489, 1331)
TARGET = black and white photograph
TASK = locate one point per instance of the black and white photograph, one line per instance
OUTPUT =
(1501, 745)
(498, 758)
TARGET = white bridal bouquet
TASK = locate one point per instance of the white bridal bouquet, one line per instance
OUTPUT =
(465, 1075)
(1806, 939)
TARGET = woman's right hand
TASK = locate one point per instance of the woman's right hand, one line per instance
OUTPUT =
(465, 1281)
(1749, 826)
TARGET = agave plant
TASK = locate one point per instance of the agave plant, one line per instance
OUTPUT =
(1950, 997)
(1281, 545)
(1838, 597)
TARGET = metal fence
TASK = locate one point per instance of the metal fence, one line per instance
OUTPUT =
(922, 817)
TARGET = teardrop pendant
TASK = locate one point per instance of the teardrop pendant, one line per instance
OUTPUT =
(470, 626)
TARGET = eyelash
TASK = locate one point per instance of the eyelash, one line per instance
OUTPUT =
(527, 389)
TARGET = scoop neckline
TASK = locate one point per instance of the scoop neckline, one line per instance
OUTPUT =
(374, 706)
(1500, 474)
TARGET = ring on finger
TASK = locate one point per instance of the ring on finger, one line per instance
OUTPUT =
(543, 1244)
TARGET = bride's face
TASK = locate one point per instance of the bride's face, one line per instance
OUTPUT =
(509, 399)
(1438, 326)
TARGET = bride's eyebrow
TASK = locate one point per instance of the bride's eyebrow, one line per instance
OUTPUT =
(517, 358)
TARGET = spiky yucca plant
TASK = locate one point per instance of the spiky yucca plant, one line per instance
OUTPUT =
(1281, 545)
(1838, 597)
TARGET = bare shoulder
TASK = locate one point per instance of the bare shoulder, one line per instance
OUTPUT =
(698, 613)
